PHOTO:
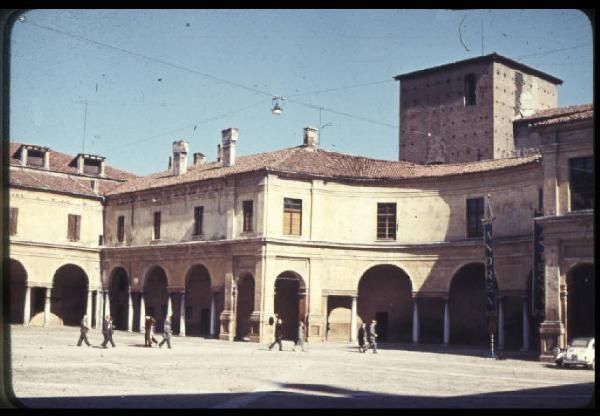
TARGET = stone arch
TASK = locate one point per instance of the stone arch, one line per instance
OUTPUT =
(18, 288)
(468, 323)
(245, 305)
(118, 292)
(290, 302)
(385, 294)
(581, 292)
(197, 301)
(69, 294)
(156, 296)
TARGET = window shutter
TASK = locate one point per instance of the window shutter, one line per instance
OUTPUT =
(70, 228)
(77, 227)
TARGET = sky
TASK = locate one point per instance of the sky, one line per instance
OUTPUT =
(125, 84)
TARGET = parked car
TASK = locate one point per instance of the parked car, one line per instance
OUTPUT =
(580, 352)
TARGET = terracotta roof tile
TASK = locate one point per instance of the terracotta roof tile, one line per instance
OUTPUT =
(560, 115)
(322, 163)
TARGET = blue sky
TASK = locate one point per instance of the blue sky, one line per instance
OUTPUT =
(150, 77)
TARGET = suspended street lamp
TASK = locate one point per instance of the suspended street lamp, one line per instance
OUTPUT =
(277, 105)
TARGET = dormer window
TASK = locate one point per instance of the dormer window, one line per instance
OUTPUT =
(90, 164)
(35, 156)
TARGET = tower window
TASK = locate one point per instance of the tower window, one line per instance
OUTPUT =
(469, 90)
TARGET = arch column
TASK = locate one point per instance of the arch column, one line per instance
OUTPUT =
(182, 314)
(88, 306)
(415, 328)
(27, 307)
(106, 303)
(525, 325)
(353, 319)
(129, 311)
(446, 322)
(142, 312)
(213, 317)
(564, 317)
(169, 305)
(99, 308)
(47, 301)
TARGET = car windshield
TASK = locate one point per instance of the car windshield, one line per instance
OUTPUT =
(580, 342)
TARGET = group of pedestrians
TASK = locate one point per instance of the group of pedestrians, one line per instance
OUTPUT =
(279, 336)
(108, 327)
(369, 335)
(107, 331)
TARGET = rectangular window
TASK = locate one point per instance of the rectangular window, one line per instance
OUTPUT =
(292, 216)
(198, 217)
(474, 216)
(469, 89)
(581, 183)
(73, 227)
(14, 216)
(386, 221)
(248, 213)
(120, 228)
(156, 235)
(91, 166)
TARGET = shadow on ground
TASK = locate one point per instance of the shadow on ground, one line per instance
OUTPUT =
(325, 396)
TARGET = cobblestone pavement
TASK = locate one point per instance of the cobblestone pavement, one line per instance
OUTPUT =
(49, 370)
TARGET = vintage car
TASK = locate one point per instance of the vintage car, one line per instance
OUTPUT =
(580, 352)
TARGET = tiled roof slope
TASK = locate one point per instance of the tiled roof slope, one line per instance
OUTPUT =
(61, 177)
(322, 163)
(59, 162)
(560, 115)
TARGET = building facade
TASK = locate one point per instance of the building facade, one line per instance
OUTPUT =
(334, 240)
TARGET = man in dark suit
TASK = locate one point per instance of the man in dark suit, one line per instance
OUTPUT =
(107, 331)
(362, 336)
(84, 328)
(278, 335)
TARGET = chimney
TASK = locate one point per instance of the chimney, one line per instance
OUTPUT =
(180, 151)
(219, 154)
(47, 160)
(230, 136)
(94, 185)
(311, 138)
(199, 159)
(24, 152)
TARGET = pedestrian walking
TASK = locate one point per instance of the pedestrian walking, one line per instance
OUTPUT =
(300, 338)
(373, 336)
(149, 325)
(278, 335)
(84, 328)
(166, 334)
(362, 336)
(107, 331)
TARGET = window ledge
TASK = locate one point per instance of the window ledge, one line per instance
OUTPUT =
(198, 237)
(155, 241)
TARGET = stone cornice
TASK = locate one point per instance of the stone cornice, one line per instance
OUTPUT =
(26, 243)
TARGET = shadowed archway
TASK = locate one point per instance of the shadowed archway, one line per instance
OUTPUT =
(197, 301)
(581, 293)
(385, 294)
(245, 306)
(119, 298)
(290, 303)
(69, 294)
(18, 287)
(156, 296)
(468, 323)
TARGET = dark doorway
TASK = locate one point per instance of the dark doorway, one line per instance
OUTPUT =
(382, 326)
(288, 288)
(119, 298)
(245, 306)
(38, 298)
(69, 294)
(387, 288)
(18, 287)
(197, 301)
(581, 293)
(468, 324)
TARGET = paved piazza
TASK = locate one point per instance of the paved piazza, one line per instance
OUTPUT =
(48, 370)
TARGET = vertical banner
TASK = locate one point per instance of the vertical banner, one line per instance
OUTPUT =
(491, 286)
(538, 276)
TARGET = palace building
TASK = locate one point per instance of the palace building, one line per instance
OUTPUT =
(328, 238)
